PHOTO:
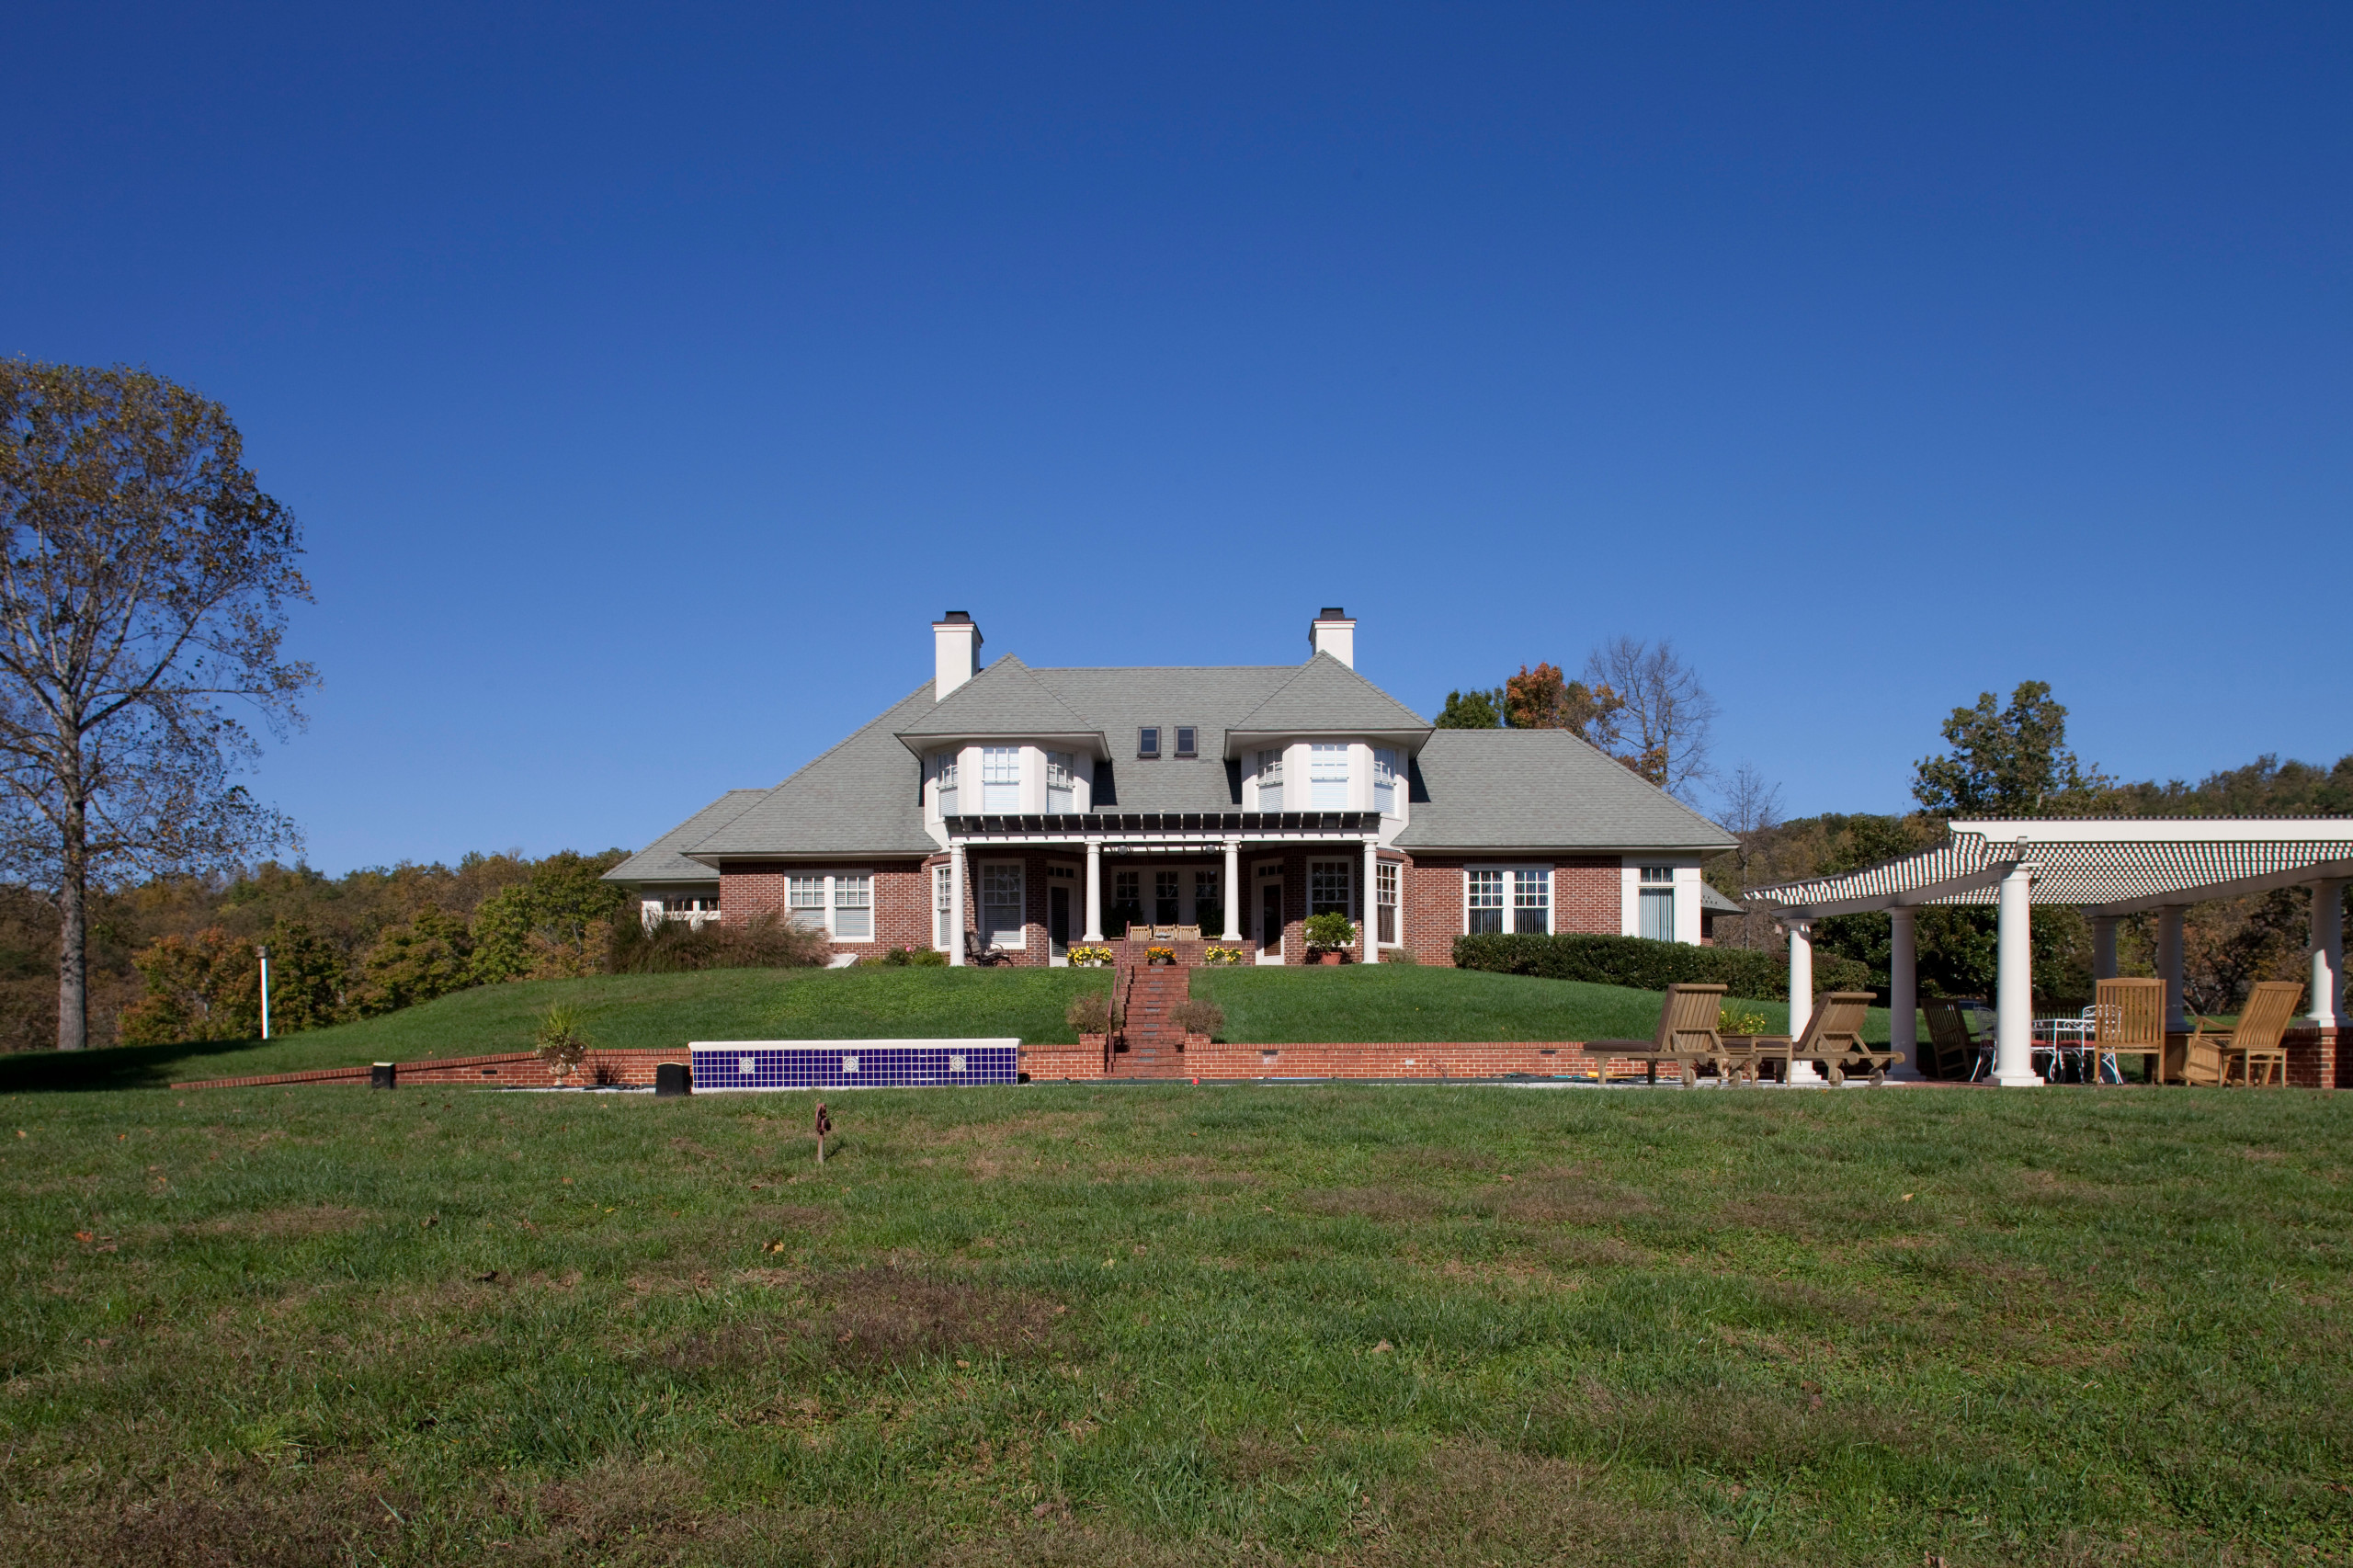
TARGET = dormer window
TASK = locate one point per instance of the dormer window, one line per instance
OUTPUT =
(1000, 780)
(1184, 733)
(1327, 775)
(944, 768)
(1148, 741)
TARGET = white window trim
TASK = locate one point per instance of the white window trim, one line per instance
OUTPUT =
(1398, 868)
(1511, 884)
(826, 880)
(1347, 779)
(980, 898)
(1689, 917)
(1354, 866)
(943, 890)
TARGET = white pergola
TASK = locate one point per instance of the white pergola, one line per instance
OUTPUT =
(2108, 866)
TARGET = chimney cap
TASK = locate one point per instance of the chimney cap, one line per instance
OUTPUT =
(957, 615)
(1332, 612)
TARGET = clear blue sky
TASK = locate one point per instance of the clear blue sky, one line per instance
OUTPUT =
(647, 381)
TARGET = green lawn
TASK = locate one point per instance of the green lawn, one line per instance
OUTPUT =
(1160, 1324)
(1263, 1007)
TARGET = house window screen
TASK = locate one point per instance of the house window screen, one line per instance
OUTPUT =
(1384, 782)
(943, 909)
(1270, 781)
(1059, 788)
(1327, 773)
(805, 901)
(1385, 876)
(1209, 903)
(1658, 903)
(1001, 905)
(854, 908)
(1000, 780)
(945, 766)
(1165, 894)
(1331, 887)
(1484, 900)
(1532, 903)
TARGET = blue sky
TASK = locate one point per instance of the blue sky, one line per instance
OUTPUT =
(647, 381)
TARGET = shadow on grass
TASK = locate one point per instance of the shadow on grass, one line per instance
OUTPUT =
(115, 1067)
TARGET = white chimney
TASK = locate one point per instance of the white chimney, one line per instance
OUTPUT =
(1332, 632)
(955, 653)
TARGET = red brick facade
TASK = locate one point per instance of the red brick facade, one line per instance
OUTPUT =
(902, 906)
(1587, 896)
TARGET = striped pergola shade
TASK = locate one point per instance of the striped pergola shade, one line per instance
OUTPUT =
(2109, 864)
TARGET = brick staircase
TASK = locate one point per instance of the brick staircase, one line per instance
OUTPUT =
(1155, 1046)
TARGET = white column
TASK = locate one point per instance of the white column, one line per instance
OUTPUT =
(2169, 961)
(1903, 993)
(2014, 983)
(2328, 952)
(1233, 889)
(2103, 947)
(1369, 927)
(956, 905)
(1801, 995)
(1094, 890)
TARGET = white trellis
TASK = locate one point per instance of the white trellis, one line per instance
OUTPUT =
(2110, 867)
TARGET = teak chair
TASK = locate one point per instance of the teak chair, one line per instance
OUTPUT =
(2129, 1020)
(1951, 1049)
(1687, 1034)
(2270, 1007)
(1833, 1040)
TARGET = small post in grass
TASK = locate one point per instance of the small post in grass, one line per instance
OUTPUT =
(265, 991)
(824, 1125)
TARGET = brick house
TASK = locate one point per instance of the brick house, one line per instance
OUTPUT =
(1027, 809)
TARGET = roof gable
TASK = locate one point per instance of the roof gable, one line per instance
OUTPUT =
(1006, 698)
(661, 862)
(860, 798)
(1326, 695)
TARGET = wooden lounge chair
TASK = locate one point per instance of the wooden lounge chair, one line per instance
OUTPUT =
(1186, 933)
(975, 953)
(2256, 1042)
(1951, 1049)
(2129, 1020)
(1832, 1041)
(1687, 1034)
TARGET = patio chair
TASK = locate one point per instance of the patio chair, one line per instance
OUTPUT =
(2129, 1020)
(1832, 1041)
(1955, 1055)
(2269, 1008)
(1186, 933)
(1687, 1035)
(976, 953)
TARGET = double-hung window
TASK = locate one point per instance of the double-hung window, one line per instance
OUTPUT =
(1270, 780)
(1001, 918)
(1327, 774)
(1532, 900)
(1385, 875)
(1331, 887)
(1166, 891)
(1483, 901)
(1658, 902)
(853, 908)
(1060, 791)
(1209, 903)
(944, 766)
(1000, 780)
(805, 901)
(943, 908)
(1384, 782)
(1126, 901)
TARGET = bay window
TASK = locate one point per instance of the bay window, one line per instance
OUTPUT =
(1384, 781)
(943, 768)
(1270, 780)
(1061, 768)
(1328, 776)
(1000, 780)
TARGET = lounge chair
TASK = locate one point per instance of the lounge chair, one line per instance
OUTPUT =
(1956, 1055)
(2129, 1020)
(1832, 1041)
(2210, 1058)
(1687, 1035)
(975, 953)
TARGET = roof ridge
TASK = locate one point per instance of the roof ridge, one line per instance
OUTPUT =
(821, 757)
(1316, 660)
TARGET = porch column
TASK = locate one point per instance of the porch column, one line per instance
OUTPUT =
(2103, 947)
(1903, 993)
(1801, 995)
(2169, 963)
(2014, 982)
(1369, 927)
(1231, 886)
(956, 905)
(1094, 890)
(2328, 952)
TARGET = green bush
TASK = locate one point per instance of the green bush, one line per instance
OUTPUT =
(1331, 931)
(1651, 966)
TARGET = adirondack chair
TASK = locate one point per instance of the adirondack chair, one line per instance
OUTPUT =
(1687, 1035)
(1953, 1053)
(2129, 1020)
(975, 953)
(2254, 1042)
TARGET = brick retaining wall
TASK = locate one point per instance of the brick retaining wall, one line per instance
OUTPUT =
(1535, 1058)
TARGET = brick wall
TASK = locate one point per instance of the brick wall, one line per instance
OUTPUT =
(1586, 897)
(1488, 1060)
(2314, 1060)
(902, 898)
(1049, 1064)
(506, 1070)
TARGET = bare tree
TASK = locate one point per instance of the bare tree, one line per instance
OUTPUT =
(1751, 809)
(1666, 714)
(142, 588)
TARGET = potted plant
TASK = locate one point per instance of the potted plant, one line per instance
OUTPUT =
(1331, 934)
(1220, 955)
(1087, 957)
(1160, 956)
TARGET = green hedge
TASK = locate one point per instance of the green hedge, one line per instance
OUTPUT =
(1652, 966)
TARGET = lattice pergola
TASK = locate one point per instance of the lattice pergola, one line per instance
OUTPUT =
(2107, 866)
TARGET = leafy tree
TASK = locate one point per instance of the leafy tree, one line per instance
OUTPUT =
(428, 957)
(2011, 762)
(143, 575)
(206, 986)
(1476, 710)
(306, 979)
(555, 925)
(1543, 699)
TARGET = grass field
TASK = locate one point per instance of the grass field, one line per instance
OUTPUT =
(1378, 1003)
(1159, 1325)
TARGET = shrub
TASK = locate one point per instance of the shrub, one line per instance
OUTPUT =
(561, 1044)
(908, 958)
(1730, 1022)
(1092, 1012)
(1646, 965)
(1398, 955)
(1331, 930)
(1198, 1017)
(675, 947)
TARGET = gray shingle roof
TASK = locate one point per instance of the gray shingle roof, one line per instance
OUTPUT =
(1119, 702)
(661, 862)
(1716, 902)
(861, 797)
(1006, 698)
(1542, 788)
(1327, 695)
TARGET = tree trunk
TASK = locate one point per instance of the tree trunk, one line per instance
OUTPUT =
(73, 936)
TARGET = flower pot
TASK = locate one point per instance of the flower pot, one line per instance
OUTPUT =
(1330, 958)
